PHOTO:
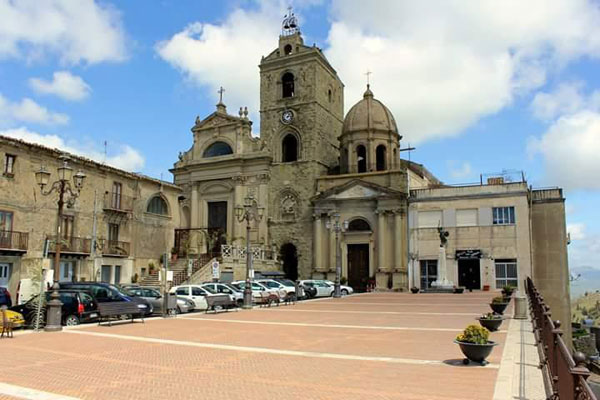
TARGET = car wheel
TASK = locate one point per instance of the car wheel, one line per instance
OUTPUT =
(173, 311)
(344, 292)
(71, 320)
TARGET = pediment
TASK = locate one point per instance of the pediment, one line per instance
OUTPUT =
(355, 192)
(215, 119)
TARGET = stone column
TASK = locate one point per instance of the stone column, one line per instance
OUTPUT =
(317, 240)
(195, 206)
(380, 240)
(331, 247)
(398, 253)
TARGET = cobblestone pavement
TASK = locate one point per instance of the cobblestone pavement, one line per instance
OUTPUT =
(375, 346)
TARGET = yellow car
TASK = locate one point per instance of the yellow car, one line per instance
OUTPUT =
(16, 318)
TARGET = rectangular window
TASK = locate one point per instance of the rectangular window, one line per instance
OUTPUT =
(9, 164)
(116, 195)
(430, 219)
(117, 274)
(113, 232)
(6, 218)
(467, 217)
(503, 215)
(105, 275)
(506, 273)
(428, 273)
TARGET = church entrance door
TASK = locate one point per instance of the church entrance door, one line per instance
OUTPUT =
(358, 266)
(468, 273)
(217, 225)
(289, 256)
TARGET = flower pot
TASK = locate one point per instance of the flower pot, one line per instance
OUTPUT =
(486, 288)
(476, 352)
(498, 308)
(459, 289)
(414, 290)
(491, 325)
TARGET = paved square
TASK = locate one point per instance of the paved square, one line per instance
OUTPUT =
(376, 346)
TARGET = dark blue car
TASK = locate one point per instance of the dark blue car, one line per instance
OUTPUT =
(105, 292)
(5, 299)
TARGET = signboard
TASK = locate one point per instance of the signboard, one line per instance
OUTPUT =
(468, 254)
(170, 276)
(216, 273)
(251, 273)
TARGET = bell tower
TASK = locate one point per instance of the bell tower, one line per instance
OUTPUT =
(301, 118)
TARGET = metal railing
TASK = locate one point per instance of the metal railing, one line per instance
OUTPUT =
(230, 252)
(71, 244)
(212, 238)
(11, 240)
(114, 201)
(114, 247)
(565, 374)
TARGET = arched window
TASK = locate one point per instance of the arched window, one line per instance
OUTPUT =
(358, 224)
(361, 158)
(218, 149)
(287, 84)
(329, 95)
(287, 49)
(158, 206)
(289, 148)
(380, 158)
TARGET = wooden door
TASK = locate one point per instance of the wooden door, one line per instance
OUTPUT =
(358, 266)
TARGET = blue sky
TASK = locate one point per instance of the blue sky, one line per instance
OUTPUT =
(477, 90)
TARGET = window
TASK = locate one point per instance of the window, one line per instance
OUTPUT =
(117, 274)
(506, 273)
(287, 85)
(467, 217)
(116, 196)
(9, 164)
(428, 273)
(329, 95)
(503, 215)
(113, 232)
(289, 148)
(105, 275)
(184, 291)
(158, 206)
(196, 291)
(358, 224)
(361, 158)
(430, 219)
(217, 149)
(380, 158)
(287, 50)
(66, 226)
(6, 218)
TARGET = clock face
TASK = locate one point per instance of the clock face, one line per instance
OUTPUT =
(287, 117)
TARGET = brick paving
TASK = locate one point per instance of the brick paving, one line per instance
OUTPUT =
(243, 359)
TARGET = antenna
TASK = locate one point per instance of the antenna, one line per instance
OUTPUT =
(105, 151)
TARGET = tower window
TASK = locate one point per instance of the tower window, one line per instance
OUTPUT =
(287, 49)
(361, 159)
(329, 95)
(380, 157)
(289, 148)
(287, 84)
(218, 149)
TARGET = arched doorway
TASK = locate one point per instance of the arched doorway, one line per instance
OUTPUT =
(289, 257)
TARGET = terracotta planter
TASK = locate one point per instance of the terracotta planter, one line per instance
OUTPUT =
(476, 352)
(486, 288)
(491, 325)
(498, 308)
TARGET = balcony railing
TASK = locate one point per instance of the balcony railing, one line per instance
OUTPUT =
(565, 374)
(114, 247)
(72, 244)
(117, 202)
(11, 240)
(230, 253)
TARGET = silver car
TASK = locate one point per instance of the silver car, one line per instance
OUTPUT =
(156, 299)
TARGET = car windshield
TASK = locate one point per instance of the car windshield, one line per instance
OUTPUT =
(286, 282)
(121, 290)
(270, 284)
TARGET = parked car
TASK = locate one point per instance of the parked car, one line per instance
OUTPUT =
(105, 292)
(77, 307)
(5, 299)
(156, 299)
(219, 287)
(273, 284)
(323, 289)
(15, 317)
(344, 289)
(259, 287)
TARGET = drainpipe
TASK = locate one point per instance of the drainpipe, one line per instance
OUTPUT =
(94, 239)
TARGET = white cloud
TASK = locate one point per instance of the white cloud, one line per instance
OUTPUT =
(64, 85)
(125, 157)
(460, 171)
(28, 110)
(76, 31)
(577, 231)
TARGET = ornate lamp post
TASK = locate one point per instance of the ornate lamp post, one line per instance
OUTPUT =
(249, 211)
(337, 228)
(67, 193)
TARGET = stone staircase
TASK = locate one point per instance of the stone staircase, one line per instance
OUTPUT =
(180, 271)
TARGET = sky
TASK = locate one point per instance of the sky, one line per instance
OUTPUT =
(477, 87)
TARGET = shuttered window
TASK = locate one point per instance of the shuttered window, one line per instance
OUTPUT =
(430, 219)
(466, 217)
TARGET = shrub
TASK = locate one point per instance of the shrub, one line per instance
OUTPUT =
(343, 280)
(498, 300)
(474, 334)
(508, 288)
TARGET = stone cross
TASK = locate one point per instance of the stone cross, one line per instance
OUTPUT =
(221, 91)
(368, 74)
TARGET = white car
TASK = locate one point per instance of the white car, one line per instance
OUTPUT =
(224, 288)
(195, 293)
(272, 284)
(344, 289)
(257, 288)
(326, 288)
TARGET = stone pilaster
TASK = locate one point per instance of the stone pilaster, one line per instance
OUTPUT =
(317, 234)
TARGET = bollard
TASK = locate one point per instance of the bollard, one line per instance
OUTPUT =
(520, 306)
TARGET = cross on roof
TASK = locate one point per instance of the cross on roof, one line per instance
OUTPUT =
(221, 91)
(368, 74)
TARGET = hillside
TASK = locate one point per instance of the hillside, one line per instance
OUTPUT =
(586, 307)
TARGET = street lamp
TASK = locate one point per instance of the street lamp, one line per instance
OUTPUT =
(337, 228)
(249, 211)
(66, 193)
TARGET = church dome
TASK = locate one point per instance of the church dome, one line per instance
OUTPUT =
(369, 114)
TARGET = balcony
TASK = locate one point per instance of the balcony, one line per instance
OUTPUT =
(114, 248)
(14, 241)
(117, 203)
(72, 245)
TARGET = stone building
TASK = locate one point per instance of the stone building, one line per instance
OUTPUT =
(129, 217)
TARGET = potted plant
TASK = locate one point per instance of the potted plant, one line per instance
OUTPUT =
(474, 344)
(491, 321)
(414, 290)
(507, 290)
(173, 254)
(499, 304)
